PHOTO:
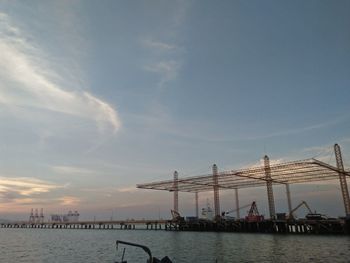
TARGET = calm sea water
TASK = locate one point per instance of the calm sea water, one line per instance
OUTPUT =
(50, 245)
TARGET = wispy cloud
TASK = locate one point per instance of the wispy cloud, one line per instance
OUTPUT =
(167, 56)
(299, 130)
(127, 189)
(29, 82)
(323, 153)
(11, 188)
(326, 148)
(158, 45)
(167, 70)
(261, 163)
(203, 131)
(111, 189)
(71, 170)
(181, 13)
(345, 140)
(69, 200)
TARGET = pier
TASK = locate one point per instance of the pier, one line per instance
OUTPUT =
(302, 226)
(268, 175)
(98, 225)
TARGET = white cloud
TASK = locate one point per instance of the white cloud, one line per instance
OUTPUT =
(28, 82)
(69, 200)
(127, 189)
(345, 140)
(323, 153)
(167, 70)
(111, 189)
(71, 170)
(326, 148)
(167, 57)
(261, 163)
(181, 12)
(158, 45)
(24, 186)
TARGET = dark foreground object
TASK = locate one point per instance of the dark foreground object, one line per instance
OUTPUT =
(146, 249)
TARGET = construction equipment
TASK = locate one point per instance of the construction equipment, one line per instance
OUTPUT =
(291, 215)
(253, 214)
(176, 216)
(310, 215)
(225, 213)
(316, 216)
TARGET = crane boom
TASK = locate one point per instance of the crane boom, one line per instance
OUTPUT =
(291, 215)
(234, 210)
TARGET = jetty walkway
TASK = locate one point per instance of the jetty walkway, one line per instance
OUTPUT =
(118, 224)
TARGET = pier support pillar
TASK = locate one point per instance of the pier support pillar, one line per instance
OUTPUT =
(269, 187)
(342, 179)
(289, 200)
(237, 203)
(347, 225)
(216, 191)
(176, 192)
(197, 209)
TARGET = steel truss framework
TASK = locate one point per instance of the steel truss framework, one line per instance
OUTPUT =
(309, 170)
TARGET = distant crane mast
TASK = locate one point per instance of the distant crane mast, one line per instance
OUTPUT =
(31, 217)
(36, 216)
(41, 219)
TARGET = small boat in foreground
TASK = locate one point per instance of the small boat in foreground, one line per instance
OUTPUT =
(150, 259)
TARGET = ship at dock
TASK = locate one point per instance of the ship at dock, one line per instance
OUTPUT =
(65, 218)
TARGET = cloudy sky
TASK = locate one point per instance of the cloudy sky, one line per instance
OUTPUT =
(98, 97)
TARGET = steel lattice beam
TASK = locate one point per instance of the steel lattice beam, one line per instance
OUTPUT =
(342, 179)
(176, 192)
(310, 170)
(268, 179)
(216, 190)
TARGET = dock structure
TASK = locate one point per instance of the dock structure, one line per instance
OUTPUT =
(301, 226)
(119, 224)
(268, 175)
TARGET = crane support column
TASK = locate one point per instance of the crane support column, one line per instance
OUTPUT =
(197, 211)
(269, 187)
(288, 198)
(342, 179)
(237, 203)
(176, 192)
(216, 190)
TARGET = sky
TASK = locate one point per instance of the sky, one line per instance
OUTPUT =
(98, 97)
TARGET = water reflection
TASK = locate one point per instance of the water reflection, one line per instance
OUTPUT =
(45, 245)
